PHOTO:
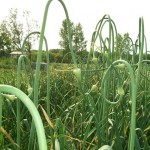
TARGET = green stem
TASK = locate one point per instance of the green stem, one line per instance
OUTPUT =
(20, 61)
(133, 98)
(32, 109)
(1, 102)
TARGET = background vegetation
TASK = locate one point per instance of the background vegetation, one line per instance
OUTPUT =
(87, 99)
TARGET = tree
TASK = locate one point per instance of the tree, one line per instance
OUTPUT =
(15, 28)
(30, 26)
(5, 40)
(78, 40)
(124, 43)
(79, 43)
(64, 42)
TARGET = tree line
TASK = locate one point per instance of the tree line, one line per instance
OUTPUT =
(13, 32)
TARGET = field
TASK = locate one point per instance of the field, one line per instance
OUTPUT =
(100, 103)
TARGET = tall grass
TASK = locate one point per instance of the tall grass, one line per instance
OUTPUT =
(100, 103)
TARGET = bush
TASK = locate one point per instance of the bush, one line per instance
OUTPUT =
(8, 62)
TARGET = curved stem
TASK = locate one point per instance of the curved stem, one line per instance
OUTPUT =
(32, 109)
(133, 98)
(21, 58)
(69, 33)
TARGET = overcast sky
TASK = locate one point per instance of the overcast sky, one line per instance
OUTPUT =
(125, 14)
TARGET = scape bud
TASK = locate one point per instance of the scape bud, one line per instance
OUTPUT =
(30, 89)
(94, 60)
(105, 54)
(57, 145)
(94, 87)
(121, 66)
(120, 90)
(10, 97)
(77, 73)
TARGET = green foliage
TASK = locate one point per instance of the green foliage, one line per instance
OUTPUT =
(12, 32)
(8, 62)
(123, 45)
(5, 40)
(79, 42)
(64, 43)
(56, 55)
(102, 103)
(16, 30)
(1, 141)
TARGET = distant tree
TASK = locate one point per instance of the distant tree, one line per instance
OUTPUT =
(124, 43)
(78, 40)
(5, 40)
(30, 25)
(64, 42)
(15, 28)
(79, 43)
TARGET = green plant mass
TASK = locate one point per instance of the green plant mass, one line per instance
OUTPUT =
(78, 100)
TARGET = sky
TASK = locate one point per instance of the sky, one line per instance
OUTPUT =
(125, 14)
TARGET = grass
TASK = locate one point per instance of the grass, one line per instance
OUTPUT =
(101, 104)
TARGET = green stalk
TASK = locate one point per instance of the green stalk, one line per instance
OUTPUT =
(37, 73)
(18, 102)
(48, 67)
(1, 102)
(106, 45)
(1, 134)
(141, 46)
(109, 59)
(133, 99)
(133, 117)
(32, 109)
(69, 34)
(20, 61)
